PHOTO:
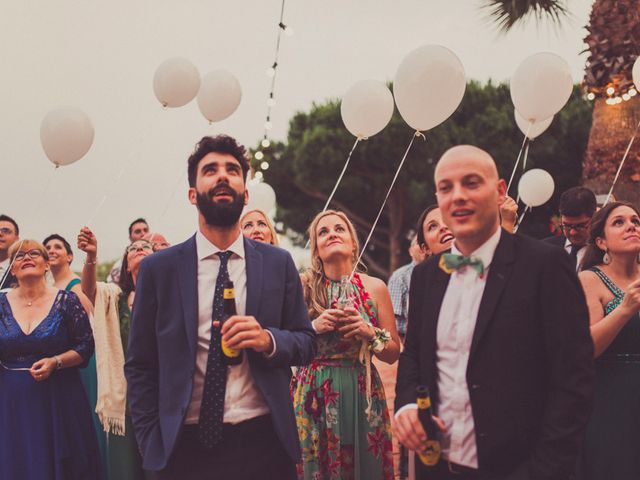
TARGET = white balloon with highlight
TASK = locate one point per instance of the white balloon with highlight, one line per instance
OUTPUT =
(429, 85)
(541, 86)
(219, 96)
(66, 135)
(536, 187)
(176, 82)
(366, 108)
(262, 196)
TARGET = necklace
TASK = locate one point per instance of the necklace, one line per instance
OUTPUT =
(30, 302)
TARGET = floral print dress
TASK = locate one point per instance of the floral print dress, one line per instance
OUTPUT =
(344, 435)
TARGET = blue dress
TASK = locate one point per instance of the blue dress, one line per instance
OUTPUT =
(46, 427)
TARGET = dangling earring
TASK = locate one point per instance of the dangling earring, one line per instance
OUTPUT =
(606, 258)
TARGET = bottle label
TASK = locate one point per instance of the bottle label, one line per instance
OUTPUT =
(424, 403)
(431, 454)
(229, 352)
(228, 293)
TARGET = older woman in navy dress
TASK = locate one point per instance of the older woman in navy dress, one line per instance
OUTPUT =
(46, 428)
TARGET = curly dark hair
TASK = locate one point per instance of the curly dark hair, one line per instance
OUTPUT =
(218, 144)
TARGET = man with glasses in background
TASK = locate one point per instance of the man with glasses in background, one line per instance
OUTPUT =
(9, 232)
(577, 206)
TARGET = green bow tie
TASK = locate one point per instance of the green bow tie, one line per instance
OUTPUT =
(450, 262)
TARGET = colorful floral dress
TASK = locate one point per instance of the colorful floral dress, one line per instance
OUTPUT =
(344, 434)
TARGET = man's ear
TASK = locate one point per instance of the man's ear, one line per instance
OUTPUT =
(502, 191)
(193, 195)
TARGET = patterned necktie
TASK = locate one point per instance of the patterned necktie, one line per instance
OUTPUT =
(450, 262)
(215, 379)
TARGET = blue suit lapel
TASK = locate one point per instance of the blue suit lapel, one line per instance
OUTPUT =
(188, 275)
(254, 277)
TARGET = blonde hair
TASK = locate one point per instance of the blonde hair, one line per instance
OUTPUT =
(26, 245)
(315, 292)
(274, 235)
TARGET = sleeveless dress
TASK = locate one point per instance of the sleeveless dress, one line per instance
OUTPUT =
(612, 442)
(46, 427)
(89, 379)
(340, 436)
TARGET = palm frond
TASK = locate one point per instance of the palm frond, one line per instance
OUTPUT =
(507, 13)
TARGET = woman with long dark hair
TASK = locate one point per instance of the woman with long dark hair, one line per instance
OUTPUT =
(611, 281)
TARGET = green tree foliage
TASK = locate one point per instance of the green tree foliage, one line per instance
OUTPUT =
(304, 170)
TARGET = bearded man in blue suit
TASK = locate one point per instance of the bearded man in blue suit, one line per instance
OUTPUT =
(195, 417)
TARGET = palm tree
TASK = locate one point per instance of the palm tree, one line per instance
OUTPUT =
(613, 43)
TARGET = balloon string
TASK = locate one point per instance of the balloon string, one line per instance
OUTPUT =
(515, 167)
(384, 202)
(127, 163)
(520, 219)
(37, 210)
(526, 155)
(635, 132)
(344, 169)
(326, 205)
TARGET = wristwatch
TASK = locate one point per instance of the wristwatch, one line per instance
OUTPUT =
(58, 362)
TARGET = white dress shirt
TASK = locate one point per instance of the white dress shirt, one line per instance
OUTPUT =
(579, 255)
(4, 266)
(243, 400)
(456, 324)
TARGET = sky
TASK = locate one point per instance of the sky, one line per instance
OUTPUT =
(101, 57)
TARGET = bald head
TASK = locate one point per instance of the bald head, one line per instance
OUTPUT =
(470, 154)
(469, 193)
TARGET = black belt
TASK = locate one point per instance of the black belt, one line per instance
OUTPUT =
(457, 469)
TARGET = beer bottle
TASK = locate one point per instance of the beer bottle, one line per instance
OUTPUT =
(430, 456)
(230, 356)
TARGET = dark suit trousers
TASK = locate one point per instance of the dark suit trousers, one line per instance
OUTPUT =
(249, 450)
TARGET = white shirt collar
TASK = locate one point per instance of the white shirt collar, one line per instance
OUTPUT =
(486, 251)
(206, 249)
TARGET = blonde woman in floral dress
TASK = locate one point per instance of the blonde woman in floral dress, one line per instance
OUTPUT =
(339, 400)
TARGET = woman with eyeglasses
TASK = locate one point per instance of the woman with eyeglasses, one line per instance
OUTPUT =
(46, 426)
(113, 305)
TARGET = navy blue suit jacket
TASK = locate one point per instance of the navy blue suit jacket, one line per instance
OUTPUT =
(161, 355)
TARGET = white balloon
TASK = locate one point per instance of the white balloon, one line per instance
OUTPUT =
(366, 108)
(219, 95)
(429, 86)
(262, 196)
(636, 73)
(176, 82)
(541, 86)
(66, 135)
(531, 130)
(536, 187)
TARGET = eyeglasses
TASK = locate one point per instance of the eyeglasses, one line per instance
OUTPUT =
(578, 227)
(6, 231)
(140, 248)
(33, 254)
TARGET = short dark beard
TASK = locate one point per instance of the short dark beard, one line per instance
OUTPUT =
(220, 214)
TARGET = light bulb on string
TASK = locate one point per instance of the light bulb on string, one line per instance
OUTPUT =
(264, 165)
(610, 101)
(271, 102)
(618, 100)
(633, 92)
(591, 96)
(265, 143)
(259, 155)
(268, 125)
(611, 91)
(626, 97)
(258, 175)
